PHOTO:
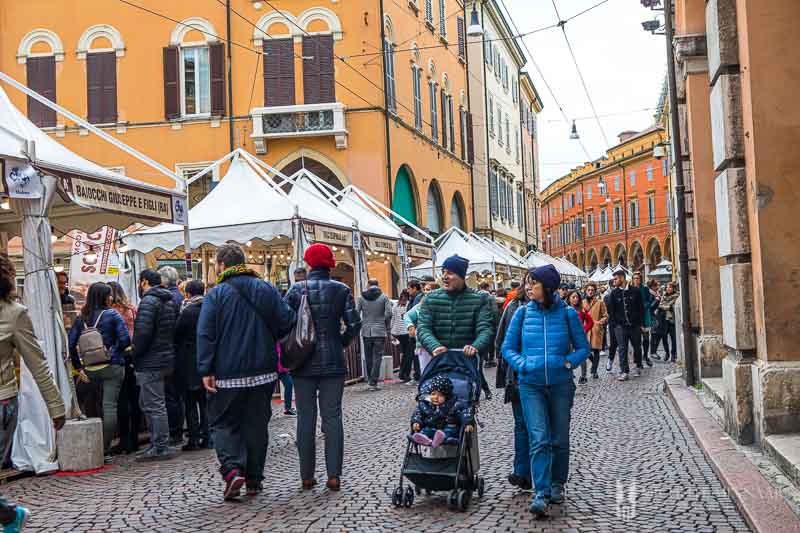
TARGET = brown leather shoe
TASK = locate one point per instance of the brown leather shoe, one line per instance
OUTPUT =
(308, 484)
(334, 484)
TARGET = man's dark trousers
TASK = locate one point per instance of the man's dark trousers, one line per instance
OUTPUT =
(625, 335)
(239, 420)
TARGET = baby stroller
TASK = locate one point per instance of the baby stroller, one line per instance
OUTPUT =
(452, 468)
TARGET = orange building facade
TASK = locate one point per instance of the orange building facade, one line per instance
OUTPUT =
(616, 208)
(376, 99)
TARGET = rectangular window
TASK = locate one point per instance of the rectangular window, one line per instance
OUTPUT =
(589, 192)
(651, 209)
(590, 224)
(319, 86)
(520, 209)
(487, 49)
(391, 98)
(633, 178)
(462, 127)
(101, 87)
(445, 129)
(196, 75)
(669, 209)
(579, 196)
(493, 193)
(416, 75)
(429, 13)
(499, 126)
(451, 120)
(462, 41)
(442, 18)
(516, 144)
(650, 173)
(42, 79)
(508, 134)
(434, 112)
(603, 221)
(278, 72)
(491, 116)
(502, 196)
(664, 169)
(616, 183)
(617, 218)
(633, 213)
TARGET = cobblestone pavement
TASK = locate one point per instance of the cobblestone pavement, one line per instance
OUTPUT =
(635, 467)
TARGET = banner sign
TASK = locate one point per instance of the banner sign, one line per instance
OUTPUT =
(120, 199)
(420, 252)
(381, 245)
(101, 264)
(179, 211)
(333, 236)
(22, 180)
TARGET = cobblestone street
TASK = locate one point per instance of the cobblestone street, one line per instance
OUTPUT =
(635, 467)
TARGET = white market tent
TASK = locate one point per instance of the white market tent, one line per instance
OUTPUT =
(54, 189)
(456, 242)
(663, 271)
(567, 270)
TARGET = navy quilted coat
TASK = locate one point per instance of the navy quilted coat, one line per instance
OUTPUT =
(538, 343)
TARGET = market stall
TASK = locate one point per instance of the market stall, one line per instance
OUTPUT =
(47, 190)
(662, 272)
(569, 272)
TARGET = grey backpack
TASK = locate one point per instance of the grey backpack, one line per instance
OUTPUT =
(91, 347)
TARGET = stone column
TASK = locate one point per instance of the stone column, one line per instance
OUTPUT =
(768, 57)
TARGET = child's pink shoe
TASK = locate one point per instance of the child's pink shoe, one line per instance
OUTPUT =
(421, 439)
(438, 438)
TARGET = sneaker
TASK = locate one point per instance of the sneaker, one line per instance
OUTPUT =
(583, 380)
(372, 388)
(334, 484)
(609, 365)
(290, 412)
(20, 518)
(557, 494)
(438, 438)
(233, 485)
(254, 488)
(623, 377)
(154, 455)
(648, 362)
(637, 372)
(538, 506)
(595, 376)
(421, 439)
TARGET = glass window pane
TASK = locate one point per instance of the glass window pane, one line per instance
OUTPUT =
(204, 82)
(189, 85)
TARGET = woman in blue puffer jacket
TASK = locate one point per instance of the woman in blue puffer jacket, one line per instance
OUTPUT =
(544, 343)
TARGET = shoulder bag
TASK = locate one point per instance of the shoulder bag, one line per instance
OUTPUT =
(301, 342)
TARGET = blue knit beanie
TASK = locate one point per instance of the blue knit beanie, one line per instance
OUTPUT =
(547, 275)
(457, 265)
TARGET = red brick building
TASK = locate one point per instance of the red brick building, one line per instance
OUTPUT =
(615, 207)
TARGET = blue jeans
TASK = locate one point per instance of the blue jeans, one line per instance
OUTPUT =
(154, 407)
(547, 416)
(522, 454)
(288, 390)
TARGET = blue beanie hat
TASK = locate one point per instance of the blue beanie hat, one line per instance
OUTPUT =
(547, 275)
(457, 265)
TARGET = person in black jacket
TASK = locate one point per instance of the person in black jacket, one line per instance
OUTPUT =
(626, 311)
(186, 376)
(153, 358)
(320, 381)
(240, 321)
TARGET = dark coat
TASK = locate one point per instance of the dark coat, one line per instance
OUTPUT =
(625, 307)
(186, 373)
(154, 332)
(505, 376)
(177, 297)
(113, 329)
(456, 320)
(453, 412)
(331, 305)
(233, 341)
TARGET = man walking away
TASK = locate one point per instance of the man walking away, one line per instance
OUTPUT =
(173, 392)
(625, 308)
(489, 357)
(375, 310)
(647, 317)
(455, 317)
(153, 358)
(611, 334)
(240, 322)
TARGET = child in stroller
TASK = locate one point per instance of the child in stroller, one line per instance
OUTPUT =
(440, 415)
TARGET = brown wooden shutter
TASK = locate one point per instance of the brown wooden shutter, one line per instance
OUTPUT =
(172, 89)
(319, 85)
(216, 59)
(452, 121)
(461, 40)
(42, 79)
(444, 117)
(279, 72)
(462, 127)
(470, 143)
(101, 87)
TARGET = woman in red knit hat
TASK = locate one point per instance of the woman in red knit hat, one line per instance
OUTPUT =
(319, 383)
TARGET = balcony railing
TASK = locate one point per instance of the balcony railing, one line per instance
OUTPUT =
(311, 120)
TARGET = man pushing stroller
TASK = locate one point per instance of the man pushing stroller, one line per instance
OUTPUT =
(440, 416)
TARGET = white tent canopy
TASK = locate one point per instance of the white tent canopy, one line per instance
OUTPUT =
(564, 267)
(662, 270)
(54, 189)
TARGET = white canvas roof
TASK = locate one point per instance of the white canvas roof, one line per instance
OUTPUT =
(483, 255)
(564, 267)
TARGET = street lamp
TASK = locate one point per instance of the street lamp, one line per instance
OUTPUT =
(475, 29)
(651, 25)
(574, 134)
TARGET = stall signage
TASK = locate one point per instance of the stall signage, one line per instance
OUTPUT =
(380, 245)
(117, 199)
(22, 180)
(93, 260)
(423, 252)
(332, 236)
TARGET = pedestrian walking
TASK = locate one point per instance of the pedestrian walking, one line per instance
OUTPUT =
(489, 358)
(625, 306)
(610, 333)
(186, 376)
(173, 391)
(421, 355)
(240, 321)
(597, 309)
(544, 342)
(414, 294)
(666, 319)
(154, 358)
(400, 334)
(319, 383)
(509, 380)
(647, 321)
(575, 301)
(105, 364)
(287, 383)
(129, 415)
(456, 317)
(375, 310)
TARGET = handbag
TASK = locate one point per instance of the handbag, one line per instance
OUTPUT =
(91, 347)
(301, 342)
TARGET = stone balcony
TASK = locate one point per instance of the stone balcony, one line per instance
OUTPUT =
(307, 120)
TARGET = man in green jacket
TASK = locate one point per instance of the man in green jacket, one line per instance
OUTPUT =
(455, 317)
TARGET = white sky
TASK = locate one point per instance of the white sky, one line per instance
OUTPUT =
(623, 67)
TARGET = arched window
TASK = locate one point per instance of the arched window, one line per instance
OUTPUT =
(403, 199)
(433, 209)
(388, 58)
(457, 218)
(100, 46)
(38, 51)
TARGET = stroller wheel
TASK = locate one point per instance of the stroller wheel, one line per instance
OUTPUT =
(408, 501)
(464, 498)
(452, 500)
(397, 496)
(481, 487)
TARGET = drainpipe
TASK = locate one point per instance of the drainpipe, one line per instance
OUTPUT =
(680, 189)
(583, 229)
(522, 159)
(486, 122)
(386, 110)
(624, 207)
(230, 75)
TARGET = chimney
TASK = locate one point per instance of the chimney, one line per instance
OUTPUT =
(625, 135)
